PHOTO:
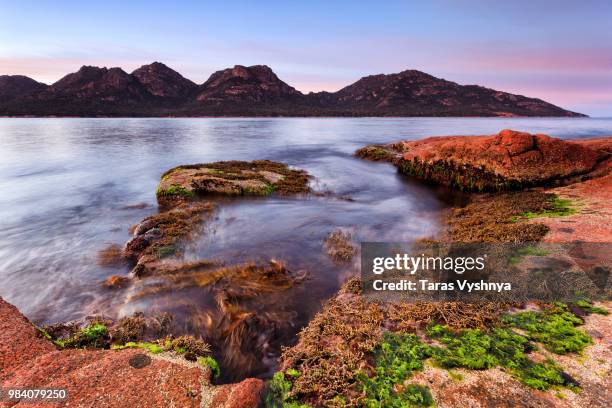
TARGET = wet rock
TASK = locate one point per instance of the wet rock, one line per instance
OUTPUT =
(135, 246)
(163, 235)
(144, 226)
(152, 234)
(259, 177)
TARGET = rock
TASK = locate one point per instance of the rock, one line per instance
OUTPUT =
(163, 235)
(134, 247)
(19, 339)
(109, 378)
(508, 160)
(245, 394)
(152, 234)
(259, 177)
(144, 226)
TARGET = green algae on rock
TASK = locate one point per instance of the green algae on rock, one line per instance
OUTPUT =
(357, 353)
(258, 177)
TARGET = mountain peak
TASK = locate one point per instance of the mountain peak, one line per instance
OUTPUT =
(161, 80)
(257, 83)
(12, 86)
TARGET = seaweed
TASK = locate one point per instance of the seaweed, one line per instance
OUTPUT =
(395, 359)
(211, 363)
(92, 336)
(558, 207)
(555, 330)
(477, 350)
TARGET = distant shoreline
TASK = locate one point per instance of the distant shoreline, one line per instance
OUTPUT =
(294, 117)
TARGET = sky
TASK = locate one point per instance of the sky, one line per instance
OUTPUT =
(559, 51)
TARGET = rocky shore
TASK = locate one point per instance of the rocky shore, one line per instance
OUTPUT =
(524, 188)
(109, 378)
(447, 354)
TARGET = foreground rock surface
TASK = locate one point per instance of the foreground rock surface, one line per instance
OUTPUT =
(106, 378)
(507, 160)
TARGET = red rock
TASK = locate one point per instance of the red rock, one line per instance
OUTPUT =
(245, 394)
(19, 339)
(105, 378)
(508, 159)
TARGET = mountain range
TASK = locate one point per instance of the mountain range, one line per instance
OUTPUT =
(157, 90)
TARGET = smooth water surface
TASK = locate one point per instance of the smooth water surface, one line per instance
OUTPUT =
(71, 187)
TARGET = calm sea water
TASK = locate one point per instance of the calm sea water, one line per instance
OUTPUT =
(69, 186)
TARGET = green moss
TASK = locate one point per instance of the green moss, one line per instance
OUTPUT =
(166, 251)
(174, 190)
(554, 329)
(395, 359)
(211, 363)
(416, 395)
(44, 333)
(455, 376)
(153, 348)
(475, 349)
(277, 395)
(92, 336)
(269, 189)
(589, 308)
(560, 208)
(292, 372)
(529, 250)
(470, 348)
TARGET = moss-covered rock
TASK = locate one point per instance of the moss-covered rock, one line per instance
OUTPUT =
(259, 177)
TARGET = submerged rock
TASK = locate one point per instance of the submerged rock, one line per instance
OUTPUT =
(259, 177)
(508, 160)
(339, 246)
(162, 235)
